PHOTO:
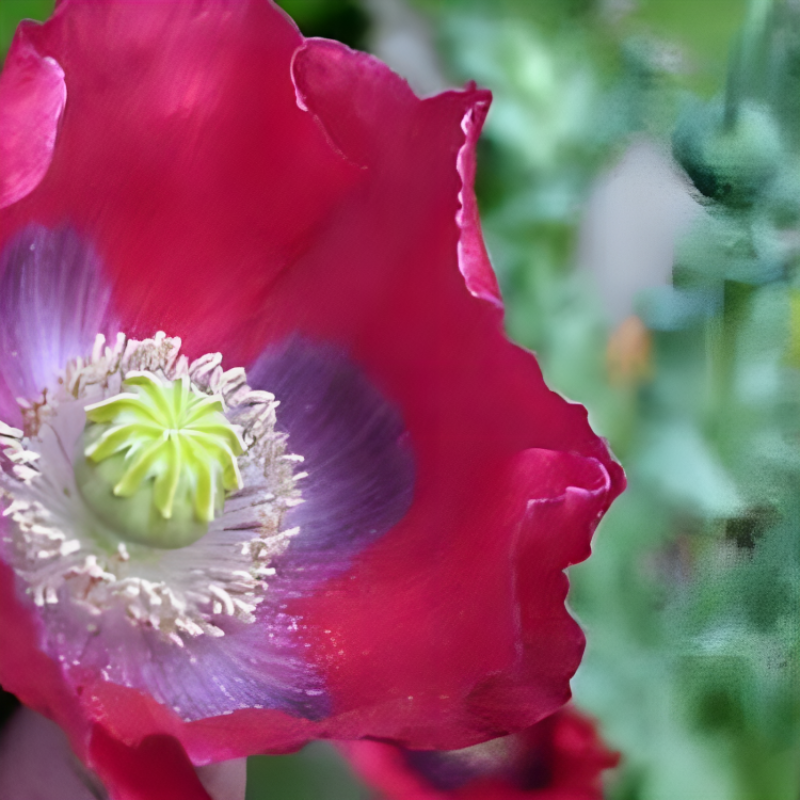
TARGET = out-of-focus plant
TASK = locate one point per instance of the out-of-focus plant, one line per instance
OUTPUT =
(571, 85)
(12, 11)
(692, 600)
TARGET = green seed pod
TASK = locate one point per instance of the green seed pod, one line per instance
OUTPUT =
(156, 463)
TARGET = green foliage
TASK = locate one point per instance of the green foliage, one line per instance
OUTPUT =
(701, 31)
(12, 11)
(691, 598)
(315, 772)
(715, 459)
(731, 153)
(344, 20)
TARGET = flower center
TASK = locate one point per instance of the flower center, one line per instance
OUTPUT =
(135, 451)
(158, 461)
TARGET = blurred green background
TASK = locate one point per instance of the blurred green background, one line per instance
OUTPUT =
(639, 182)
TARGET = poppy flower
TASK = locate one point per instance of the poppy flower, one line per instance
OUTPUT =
(271, 469)
(560, 758)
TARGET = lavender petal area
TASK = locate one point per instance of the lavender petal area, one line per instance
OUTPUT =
(252, 666)
(54, 301)
(505, 759)
(360, 469)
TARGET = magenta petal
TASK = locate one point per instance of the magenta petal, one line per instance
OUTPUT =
(560, 758)
(176, 157)
(32, 99)
(473, 260)
(157, 768)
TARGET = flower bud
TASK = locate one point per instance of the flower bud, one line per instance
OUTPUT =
(730, 154)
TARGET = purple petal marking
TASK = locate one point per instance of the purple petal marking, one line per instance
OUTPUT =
(53, 303)
(257, 665)
(521, 760)
(441, 770)
(504, 759)
(360, 469)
